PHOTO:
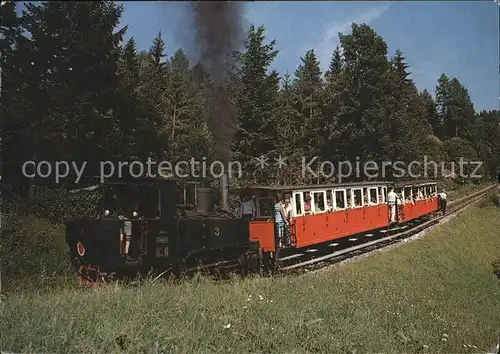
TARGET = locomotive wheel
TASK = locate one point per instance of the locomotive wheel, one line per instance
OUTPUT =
(89, 276)
(253, 262)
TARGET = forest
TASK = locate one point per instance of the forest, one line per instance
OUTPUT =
(74, 90)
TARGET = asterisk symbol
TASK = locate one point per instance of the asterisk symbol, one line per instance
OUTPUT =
(280, 161)
(261, 162)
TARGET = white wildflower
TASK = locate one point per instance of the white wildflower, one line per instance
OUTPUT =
(227, 326)
(260, 297)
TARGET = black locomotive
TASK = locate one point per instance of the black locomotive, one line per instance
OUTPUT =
(160, 226)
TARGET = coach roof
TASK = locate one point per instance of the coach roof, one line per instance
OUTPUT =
(316, 186)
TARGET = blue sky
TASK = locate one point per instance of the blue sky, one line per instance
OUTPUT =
(458, 38)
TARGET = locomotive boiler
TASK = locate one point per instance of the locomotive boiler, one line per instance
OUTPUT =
(159, 226)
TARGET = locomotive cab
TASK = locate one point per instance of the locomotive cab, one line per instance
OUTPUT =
(119, 239)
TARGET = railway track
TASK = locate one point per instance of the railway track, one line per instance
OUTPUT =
(317, 257)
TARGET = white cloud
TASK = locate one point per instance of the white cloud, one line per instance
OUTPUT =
(330, 37)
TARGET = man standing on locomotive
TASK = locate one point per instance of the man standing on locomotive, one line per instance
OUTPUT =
(391, 202)
(280, 219)
(287, 208)
(127, 231)
(247, 209)
(442, 201)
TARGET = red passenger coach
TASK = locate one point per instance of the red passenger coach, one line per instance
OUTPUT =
(319, 213)
(336, 212)
(417, 199)
(324, 213)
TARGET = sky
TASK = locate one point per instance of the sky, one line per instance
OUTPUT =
(459, 38)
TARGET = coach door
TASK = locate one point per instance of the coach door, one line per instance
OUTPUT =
(262, 229)
(297, 201)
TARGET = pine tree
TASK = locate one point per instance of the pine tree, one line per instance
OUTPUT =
(431, 113)
(410, 111)
(70, 92)
(157, 51)
(442, 102)
(460, 111)
(364, 130)
(308, 86)
(332, 105)
(130, 61)
(290, 129)
(257, 98)
(336, 65)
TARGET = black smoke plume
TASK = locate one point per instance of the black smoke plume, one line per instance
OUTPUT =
(218, 34)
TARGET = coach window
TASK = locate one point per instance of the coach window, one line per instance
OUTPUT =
(329, 200)
(349, 202)
(340, 202)
(381, 196)
(373, 196)
(298, 204)
(358, 198)
(407, 194)
(319, 202)
(366, 197)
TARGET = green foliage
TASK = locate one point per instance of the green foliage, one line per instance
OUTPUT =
(34, 250)
(257, 97)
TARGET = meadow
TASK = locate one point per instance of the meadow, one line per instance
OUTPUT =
(437, 294)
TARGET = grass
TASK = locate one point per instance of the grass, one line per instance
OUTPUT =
(437, 294)
(455, 190)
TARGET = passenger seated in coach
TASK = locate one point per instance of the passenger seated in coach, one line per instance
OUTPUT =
(307, 204)
(329, 205)
(420, 194)
(319, 203)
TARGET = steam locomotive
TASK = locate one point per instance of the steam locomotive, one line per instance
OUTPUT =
(171, 226)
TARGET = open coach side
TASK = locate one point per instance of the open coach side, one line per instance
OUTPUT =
(320, 213)
(325, 213)
(418, 199)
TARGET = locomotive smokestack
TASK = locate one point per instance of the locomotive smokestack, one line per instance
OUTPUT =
(224, 191)
(205, 201)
